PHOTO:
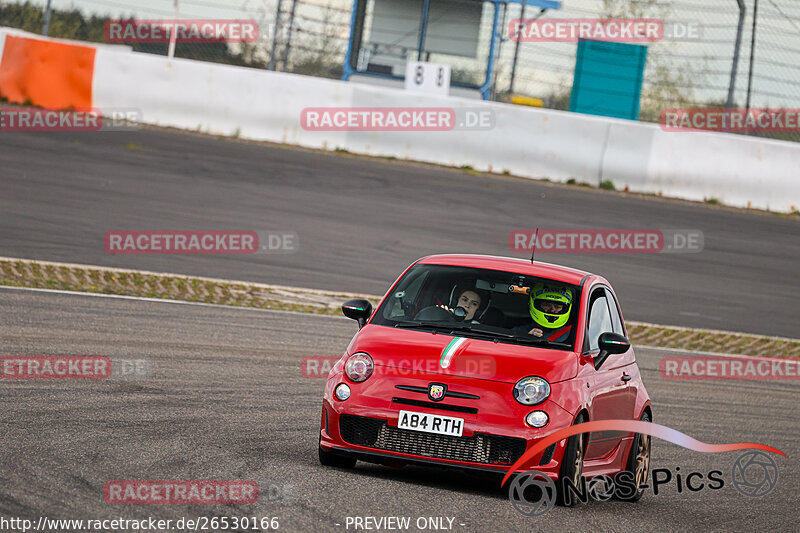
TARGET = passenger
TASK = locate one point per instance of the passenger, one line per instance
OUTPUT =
(549, 308)
(469, 299)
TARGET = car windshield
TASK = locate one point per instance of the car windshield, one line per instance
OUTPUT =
(496, 305)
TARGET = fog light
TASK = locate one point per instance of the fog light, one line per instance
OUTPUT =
(343, 392)
(537, 419)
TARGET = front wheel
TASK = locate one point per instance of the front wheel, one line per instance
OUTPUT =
(572, 464)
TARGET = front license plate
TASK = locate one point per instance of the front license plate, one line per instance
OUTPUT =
(443, 425)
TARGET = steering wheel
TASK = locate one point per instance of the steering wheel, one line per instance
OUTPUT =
(439, 314)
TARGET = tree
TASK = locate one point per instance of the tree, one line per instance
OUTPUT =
(667, 83)
(72, 24)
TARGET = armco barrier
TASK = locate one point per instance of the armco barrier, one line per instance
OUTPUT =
(529, 142)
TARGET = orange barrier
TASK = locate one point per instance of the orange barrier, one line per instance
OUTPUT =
(46, 73)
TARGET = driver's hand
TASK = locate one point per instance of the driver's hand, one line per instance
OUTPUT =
(536, 332)
(445, 307)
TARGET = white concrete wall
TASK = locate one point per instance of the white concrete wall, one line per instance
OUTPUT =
(528, 142)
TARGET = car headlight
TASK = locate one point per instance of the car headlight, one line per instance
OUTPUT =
(359, 367)
(531, 390)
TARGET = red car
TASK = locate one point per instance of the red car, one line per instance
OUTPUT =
(469, 360)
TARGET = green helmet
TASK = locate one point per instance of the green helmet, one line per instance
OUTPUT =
(556, 295)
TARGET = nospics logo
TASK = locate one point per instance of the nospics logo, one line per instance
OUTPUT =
(755, 474)
(533, 493)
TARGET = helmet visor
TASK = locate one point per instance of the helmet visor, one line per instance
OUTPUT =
(551, 307)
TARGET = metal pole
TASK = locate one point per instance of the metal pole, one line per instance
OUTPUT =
(487, 85)
(289, 35)
(493, 90)
(173, 36)
(46, 28)
(732, 85)
(752, 56)
(275, 36)
(423, 28)
(495, 75)
(516, 49)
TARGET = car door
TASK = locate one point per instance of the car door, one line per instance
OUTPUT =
(610, 394)
(624, 360)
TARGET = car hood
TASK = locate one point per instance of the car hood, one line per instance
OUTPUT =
(422, 351)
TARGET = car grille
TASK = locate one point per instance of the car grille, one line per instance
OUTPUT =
(435, 405)
(480, 448)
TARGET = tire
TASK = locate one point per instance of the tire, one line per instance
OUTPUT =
(572, 463)
(335, 460)
(639, 461)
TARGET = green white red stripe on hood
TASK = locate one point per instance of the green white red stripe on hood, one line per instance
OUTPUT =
(450, 350)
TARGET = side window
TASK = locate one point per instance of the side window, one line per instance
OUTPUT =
(616, 320)
(599, 318)
(403, 298)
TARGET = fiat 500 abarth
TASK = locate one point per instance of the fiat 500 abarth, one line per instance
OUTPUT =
(469, 360)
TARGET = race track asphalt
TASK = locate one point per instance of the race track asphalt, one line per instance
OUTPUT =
(225, 399)
(360, 222)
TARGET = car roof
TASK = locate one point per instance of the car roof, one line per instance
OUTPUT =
(509, 264)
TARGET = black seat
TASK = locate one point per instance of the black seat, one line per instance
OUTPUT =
(494, 317)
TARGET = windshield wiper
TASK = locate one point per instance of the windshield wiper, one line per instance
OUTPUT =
(450, 327)
(539, 341)
(420, 325)
(473, 329)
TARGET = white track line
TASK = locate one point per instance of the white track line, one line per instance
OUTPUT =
(165, 300)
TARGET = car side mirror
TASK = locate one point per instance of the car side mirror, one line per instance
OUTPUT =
(610, 343)
(358, 309)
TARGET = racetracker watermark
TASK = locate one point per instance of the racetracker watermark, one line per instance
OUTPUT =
(55, 367)
(201, 242)
(632, 30)
(74, 367)
(94, 119)
(184, 31)
(319, 366)
(180, 492)
(731, 120)
(619, 241)
(396, 119)
(727, 368)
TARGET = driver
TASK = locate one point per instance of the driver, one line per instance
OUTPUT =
(549, 308)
